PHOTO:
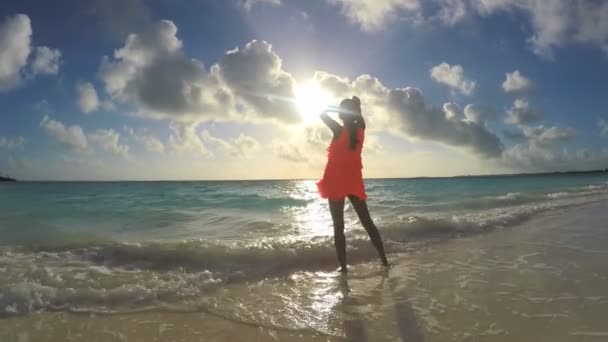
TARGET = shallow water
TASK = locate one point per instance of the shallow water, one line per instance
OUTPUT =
(260, 254)
(544, 280)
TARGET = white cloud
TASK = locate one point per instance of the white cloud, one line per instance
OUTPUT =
(452, 11)
(255, 75)
(540, 151)
(404, 111)
(70, 136)
(603, 125)
(15, 49)
(12, 143)
(219, 143)
(377, 14)
(453, 77)
(74, 137)
(249, 4)
(246, 145)
(15, 37)
(241, 146)
(46, 61)
(87, 97)
(544, 136)
(185, 138)
(109, 140)
(556, 22)
(304, 145)
(515, 82)
(593, 24)
(477, 114)
(288, 151)
(522, 114)
(150, 141)
(152, 71)
(534, 158)
(419, 119)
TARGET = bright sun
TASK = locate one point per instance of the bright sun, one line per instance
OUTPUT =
(311, 100)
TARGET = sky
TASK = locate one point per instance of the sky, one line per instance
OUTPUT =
(188, 90)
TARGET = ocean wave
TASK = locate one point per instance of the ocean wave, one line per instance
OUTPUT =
(510, 196)
(557, 195)
(117, 277)
(264, 256)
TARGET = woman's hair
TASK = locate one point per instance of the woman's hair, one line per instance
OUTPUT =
(351, 118)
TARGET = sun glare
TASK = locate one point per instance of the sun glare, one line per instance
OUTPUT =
(311, 100)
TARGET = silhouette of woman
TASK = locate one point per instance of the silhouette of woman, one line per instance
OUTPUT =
(343, 177)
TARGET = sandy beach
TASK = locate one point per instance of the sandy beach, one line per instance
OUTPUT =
(543, 280)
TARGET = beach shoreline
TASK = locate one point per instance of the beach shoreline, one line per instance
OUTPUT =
(542, 280)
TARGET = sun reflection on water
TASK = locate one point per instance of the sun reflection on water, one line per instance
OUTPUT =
(312, 219)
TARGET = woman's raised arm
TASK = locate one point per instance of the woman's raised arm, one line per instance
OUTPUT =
(331, 123)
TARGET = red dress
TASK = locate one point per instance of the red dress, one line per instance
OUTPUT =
(343, 176)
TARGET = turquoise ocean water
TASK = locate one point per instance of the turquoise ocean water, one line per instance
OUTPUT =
(124, 246)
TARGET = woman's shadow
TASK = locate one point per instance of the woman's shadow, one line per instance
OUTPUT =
(405, 317)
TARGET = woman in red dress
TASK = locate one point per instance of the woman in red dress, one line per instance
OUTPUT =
(343, 177)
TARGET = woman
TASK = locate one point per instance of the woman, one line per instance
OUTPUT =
(343, 178)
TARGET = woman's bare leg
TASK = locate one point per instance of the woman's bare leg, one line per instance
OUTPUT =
(337, 215)
(367, 222)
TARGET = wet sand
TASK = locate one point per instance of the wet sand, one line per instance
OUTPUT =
(544, 280)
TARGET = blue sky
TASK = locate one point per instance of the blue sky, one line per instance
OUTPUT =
(201, 89)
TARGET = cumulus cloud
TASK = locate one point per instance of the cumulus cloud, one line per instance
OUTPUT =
(109, 140)
(255, 75)
(515, 82)
(249, 83)
(535, 158)
(419, 119)
(405, 111)
(15, 37)
(241, 146)
(219, 143)
(603, 125)
(75, 138)
(544, 136)
(246, 145)
(12, 143)
(87, 97)
(289, 151)
(16, 49)
(452, 11)
(521, 113)
(478, 114)
(70, 136)
(46, 61)
(453, 77)
(152, 71)
(554, 23)
(305, 145)
(375, 15)
(249, 4)
(184, 137)
(539, 150)
(150, 141)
